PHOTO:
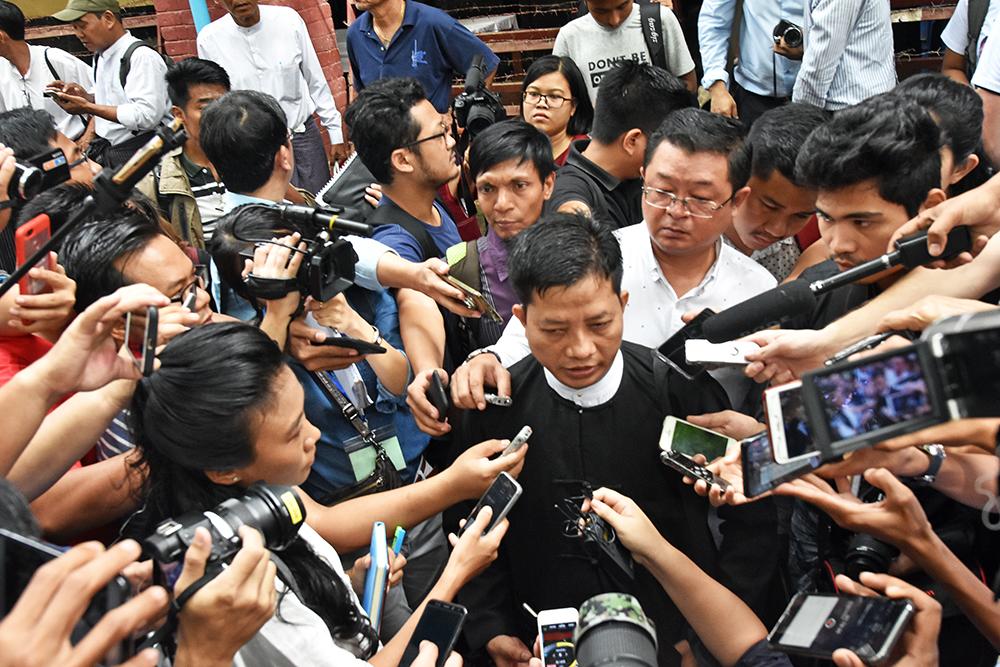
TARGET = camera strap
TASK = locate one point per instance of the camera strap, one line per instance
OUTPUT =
(347, 409)
(652, 32)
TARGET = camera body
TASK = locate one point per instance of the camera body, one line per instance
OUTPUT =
(276, 511)
(40, 172)
(789, 32)
(476, 108)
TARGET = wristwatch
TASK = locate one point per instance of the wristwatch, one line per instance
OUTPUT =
(937, 455)
(476, 353)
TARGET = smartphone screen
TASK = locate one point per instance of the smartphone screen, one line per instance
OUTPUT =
(439, 624)
(798, 437)
(867, 398)
(21, 556)
(673, 350)
(760, 473)
(501, 495)
(557, 644)
(820, 624)
(691, 440)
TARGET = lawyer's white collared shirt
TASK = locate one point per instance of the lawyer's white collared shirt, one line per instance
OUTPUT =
(275, 56)
(142, 104)
(596, 394)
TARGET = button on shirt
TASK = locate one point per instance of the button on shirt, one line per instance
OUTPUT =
(759, 69)
(142, 104)
(848, 53)
(18, 91)
(430, 46)
(275, 56)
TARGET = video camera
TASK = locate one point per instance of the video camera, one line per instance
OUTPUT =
(953, 372)
(43, 171)
(476, 108)
(328, 266)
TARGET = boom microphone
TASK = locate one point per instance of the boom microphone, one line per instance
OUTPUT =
(798, 297)
(323, 218)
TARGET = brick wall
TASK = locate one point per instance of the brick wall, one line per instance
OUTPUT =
(178, 34)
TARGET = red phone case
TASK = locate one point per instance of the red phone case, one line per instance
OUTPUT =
(28, 238)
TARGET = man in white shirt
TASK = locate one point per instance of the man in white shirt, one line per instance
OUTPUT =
(675, 262)
(612, 31)
(986, 81)
(269, 49)
(129, 96)
(26, 70)
(964, 37)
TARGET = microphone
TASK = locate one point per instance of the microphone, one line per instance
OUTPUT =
(474, 77)
(798, 296)
(759, 312)
(323, 218)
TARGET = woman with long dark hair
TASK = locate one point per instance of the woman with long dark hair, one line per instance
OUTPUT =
(224, 411)
(554, 99)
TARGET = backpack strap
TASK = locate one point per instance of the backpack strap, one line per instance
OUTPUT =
(383, 215)
(977, 17)
(126, 62)
(652, 32)
(48, 63)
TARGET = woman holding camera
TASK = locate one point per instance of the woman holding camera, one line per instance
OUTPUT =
(555, 100)
(224, 411)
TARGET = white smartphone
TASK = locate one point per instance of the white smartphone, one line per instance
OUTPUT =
(791, 438)
(555, 634)
(681, 436)
(519, 440)
(719, 355)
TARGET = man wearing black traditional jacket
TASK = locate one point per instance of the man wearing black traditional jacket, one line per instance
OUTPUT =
(597, 406)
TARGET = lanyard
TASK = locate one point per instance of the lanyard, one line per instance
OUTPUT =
(347, 408)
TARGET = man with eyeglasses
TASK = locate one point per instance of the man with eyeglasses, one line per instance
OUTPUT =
(408, 147)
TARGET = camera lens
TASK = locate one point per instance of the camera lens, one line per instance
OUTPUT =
(480, 118)
(867, 554)
(793, 37)
(25, 183)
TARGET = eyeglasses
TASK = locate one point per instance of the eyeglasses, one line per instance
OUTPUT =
(188, 295)
(694, 206)
(551, 100)
(76, 163)
(445, 131)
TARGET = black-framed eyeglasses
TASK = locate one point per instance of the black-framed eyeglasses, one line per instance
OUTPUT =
(445, 131)
(188, 295)
(552, 100)
(696, 207)
(76, 163)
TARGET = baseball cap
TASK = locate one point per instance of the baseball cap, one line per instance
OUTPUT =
(77, 8)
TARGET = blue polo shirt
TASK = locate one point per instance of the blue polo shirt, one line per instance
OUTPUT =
(430, 46)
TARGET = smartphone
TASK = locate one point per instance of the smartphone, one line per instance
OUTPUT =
(377, 577)
(718, 355)
(555, 633)
(788, 424)
(361, 346)
(440, 624)
(681, 436)
(29, 239)
(685, 465)
(501, 496)
(815, 625)
(21, 556)
(143, 352)
(518, 441)
(397, 540)
(50, 93)
(438, 397)
(673, 351)
(474, 299)
(760, 472)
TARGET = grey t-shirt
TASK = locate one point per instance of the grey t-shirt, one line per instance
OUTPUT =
(596, 49)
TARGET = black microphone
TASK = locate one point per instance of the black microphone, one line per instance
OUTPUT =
(759, 312)
(910, 252)
(324, 218)
(474, 77)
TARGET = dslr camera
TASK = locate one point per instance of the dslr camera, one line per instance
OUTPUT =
(276, 511)
(476, 108)
(788, 31)
(952, 372)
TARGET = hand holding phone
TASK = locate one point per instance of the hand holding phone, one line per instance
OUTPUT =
(501, 496)
(438, 396)
(474, 299)
(788, 425)
(555, 634)
(142, 351)
(681, 436)
(29, 239)
(377, 577)
(518, 441)
(440, 624)
(688, 467)
(360, 346)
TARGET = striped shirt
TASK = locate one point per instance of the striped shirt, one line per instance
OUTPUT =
(116, 439)
(848, 53)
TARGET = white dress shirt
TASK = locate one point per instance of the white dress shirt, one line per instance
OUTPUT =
(653, 313)
(274, 56)
(848, 53)
(955, 35)
(987, 74)
(143, 103)
(18, 91)
(596, 394)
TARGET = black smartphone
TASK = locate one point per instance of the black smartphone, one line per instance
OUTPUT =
(438, 397)
(143, 351)
(440, 624)
(816, 625)
(20, 556)
(361, 346)
(685, 465)
(673, 350)
(760, 472)
(501, 496)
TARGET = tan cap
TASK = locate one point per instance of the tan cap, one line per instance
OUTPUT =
(77, 8)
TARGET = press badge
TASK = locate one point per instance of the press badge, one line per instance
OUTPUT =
(362, 455)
